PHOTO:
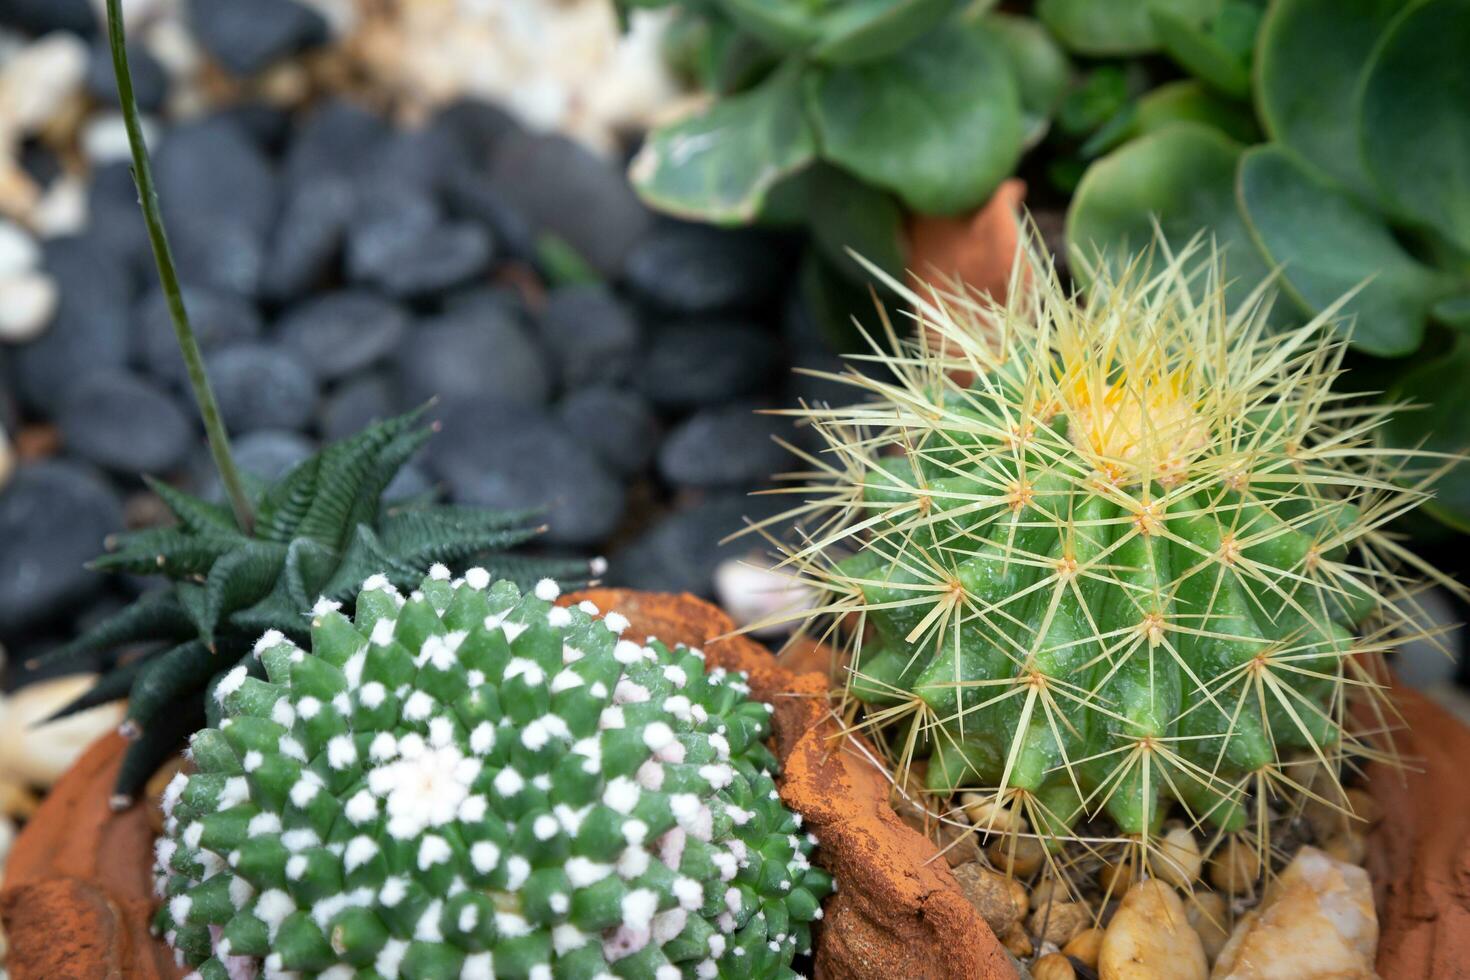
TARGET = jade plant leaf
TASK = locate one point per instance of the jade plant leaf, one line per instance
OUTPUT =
(1415, 127)
(939, 124)
(1186, 100)
(1113, 27)
(1217, 51)
(1309, 62)
(782, 24)
(1328, 243)
(845, 213)
(719, 164)
(1440, 424)
(862, 30)
(1039, 65)
(1183, 176)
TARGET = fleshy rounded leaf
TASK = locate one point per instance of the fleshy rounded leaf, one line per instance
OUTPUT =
(939, 125)
(1328, 244)
(1216, 52)
(1441, 425)
(1039, 65)
(783, 25)
(1415, 127)
(863, 30)
(1309, 61)
(1113, 27)
(720, 164)
(1183, 176)
(1188, 101)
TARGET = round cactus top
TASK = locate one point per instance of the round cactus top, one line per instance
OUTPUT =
(472, 782)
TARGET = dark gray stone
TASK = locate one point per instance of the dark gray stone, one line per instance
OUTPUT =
(479, 127)
(219, 319)
(125, 423)
(307, 240)
(265, 455)
(336, 138)
(567, 191)
(463, 355)
(115, 222)
(411, 481)
(341, 333)
(90, 331)
(729, 446)
(681, 552)
(150, 81)
(54, 516)
(472, 195)
(247, 38)
(494, 454)
(421, 157)
(695, 269)
(615, 424)
(266, 125)
(418, 262)
(43, 16)
(356, 405)
(590, 335)
(693, 364)
(259, 386)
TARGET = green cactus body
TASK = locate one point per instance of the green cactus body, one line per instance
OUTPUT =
(469, 782)
(1124, 562)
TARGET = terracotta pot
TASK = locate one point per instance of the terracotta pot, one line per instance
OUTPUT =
(78, 896)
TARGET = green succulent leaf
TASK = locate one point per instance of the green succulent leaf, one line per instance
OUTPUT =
(1217, 51)
(1309, 63)
(939, 124)
(865, 30)
(1040, 67)
(1106, 28)
(1189, 101)
(1440, 425)
(1328, 243)
(1453, 311)
(1415, 124)
(1183, 177)
(846, 213)
(783, 25)
(720, 164)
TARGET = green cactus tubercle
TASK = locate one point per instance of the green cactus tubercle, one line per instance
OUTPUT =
(321, 529)
(471, 782)
(1114, 555)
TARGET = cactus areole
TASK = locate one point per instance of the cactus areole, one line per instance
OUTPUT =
(1113, 556)
(469, 782)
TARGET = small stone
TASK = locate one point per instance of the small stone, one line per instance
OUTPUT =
(248, 38)
(1059, 923)
(1209, 915)
(1318, 921)
(1349, 847)
(121, 421)
(220, 319)
(40, 80)
(757, 595)
(1017, 942)
(457, 356)
(731, 446)
(62, 210)
(478, 126)
(694, 269)
(90, 330)
(18, 250)
(259, 386)
(1177, 860)
(1053, 966)
(990, 816)
(1020, 857)
(422, 157)
(210, 169)
(37, 754)
(357, 404)
(681, 552)
(150, 81)
(40, 16)
(19, 802)
(1149, 938)
(1117, 876)
(689, 365)
(1235, 866)
(308, 236)
(337, 138)
(473, 196)
(568, 192)
(54, 516)
(104, 139)
(7, 459)
(1085, 947)
(492, 453)
(590, 335)
(424, 261)
(1001, 901)
(265, 454)
(28, 302)
(957, 844)
(617, 425)
(341, 333)
(1364, 807)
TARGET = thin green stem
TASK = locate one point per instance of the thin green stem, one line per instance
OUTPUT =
(214, 427)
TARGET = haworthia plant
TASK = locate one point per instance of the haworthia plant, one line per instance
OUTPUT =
(471, 782)
(319, 531)
(1115, 557)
